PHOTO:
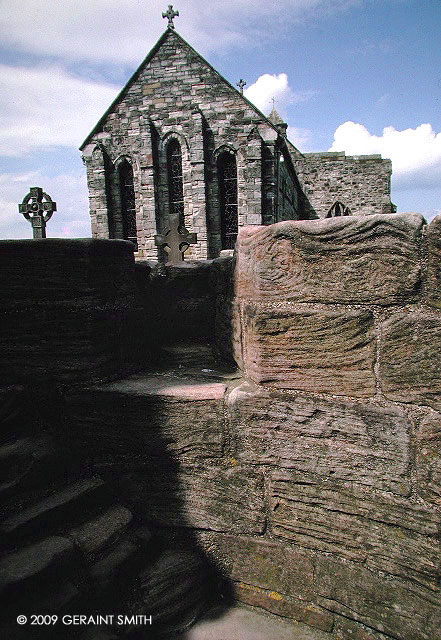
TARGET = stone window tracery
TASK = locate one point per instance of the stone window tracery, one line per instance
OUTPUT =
(338, 209)
(227, 175)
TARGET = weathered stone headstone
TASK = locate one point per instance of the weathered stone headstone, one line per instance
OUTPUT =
(175, 241)
(37, 207)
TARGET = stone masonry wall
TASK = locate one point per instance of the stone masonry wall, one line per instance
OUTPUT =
(360, 182)
(177, 94)
(70, 311)
(310, 477)
(337, 328)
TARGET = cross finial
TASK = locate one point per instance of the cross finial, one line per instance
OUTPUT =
(241, 85)
(273, 100)
(170, 14)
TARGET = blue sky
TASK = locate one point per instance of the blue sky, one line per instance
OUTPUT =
(363, 76)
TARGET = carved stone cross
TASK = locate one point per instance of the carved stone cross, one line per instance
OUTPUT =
(175, 241)
(170, 14)
(241, 85)
(37, 207)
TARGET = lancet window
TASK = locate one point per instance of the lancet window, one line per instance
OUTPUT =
(227, 173)
(175, 182)
(128, 210)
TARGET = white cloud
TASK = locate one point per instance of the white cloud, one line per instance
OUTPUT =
(47, 107)
(415, 153)
(270, 86)
(68, 190)
(299, 137)
(118, 31)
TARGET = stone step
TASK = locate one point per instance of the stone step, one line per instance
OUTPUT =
(148, 416)
(175, 590)
(56, 511)
(17, 416)
(117, 566)
(102, 530)
(26, 572)
(28, 467)
(16, 459)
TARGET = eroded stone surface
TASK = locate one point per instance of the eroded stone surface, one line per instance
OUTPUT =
(410, 358)
(350, 441)
(374, 259)
(263, 563)
(428, 458)
(283, 605)
(389, 606)
(434, 263)
(96, 533)
(200, 496)
(310, 350)
(69, 310)
(387, 532)
(162, 416)
(228, 330)
(33, 560)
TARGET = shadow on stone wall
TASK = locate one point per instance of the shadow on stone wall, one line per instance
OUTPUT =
(78, 533)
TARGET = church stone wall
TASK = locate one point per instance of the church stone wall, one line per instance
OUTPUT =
(360, 182)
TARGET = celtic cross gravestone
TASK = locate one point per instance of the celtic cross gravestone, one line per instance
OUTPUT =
(175, 241)
(37, 207)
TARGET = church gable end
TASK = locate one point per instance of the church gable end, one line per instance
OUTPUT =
(177, 95)
(177, 107)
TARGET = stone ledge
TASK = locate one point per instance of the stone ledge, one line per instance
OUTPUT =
(363, 260)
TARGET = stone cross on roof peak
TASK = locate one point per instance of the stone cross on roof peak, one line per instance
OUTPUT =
(170, 14)
(241, 85)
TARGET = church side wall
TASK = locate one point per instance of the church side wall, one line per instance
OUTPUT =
(360, 182)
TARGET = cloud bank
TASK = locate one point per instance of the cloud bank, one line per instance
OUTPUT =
(122, 32)
(46, 107)
(269, 86)
(415, 153)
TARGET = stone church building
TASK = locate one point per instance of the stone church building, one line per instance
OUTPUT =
(180, 140)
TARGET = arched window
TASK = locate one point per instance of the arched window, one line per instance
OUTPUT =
(227, 173)
(175, 184)
(338, 209)
(128, 211)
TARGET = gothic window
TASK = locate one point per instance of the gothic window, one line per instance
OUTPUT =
(175, 183)
(227, 173)
(338, 209)
(128, 211)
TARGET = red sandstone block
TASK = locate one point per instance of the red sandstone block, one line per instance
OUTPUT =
(373, 259)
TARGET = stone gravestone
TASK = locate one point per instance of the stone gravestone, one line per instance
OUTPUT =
(37, 207)
(175, 241)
